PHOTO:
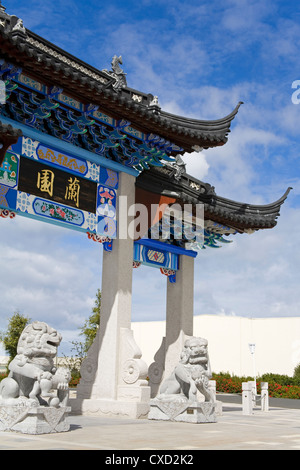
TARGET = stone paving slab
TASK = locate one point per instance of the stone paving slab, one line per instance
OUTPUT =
(278, 429)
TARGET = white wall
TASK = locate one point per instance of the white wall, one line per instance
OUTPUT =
(277, 342)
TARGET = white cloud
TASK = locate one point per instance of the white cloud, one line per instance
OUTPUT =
(196, 164)
(246, 15)
(253, 276)
(48, 273)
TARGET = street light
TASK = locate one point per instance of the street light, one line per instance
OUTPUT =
(252, 351)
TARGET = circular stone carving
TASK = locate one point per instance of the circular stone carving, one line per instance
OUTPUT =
(88, 370)
(155, 372)
(131, 371)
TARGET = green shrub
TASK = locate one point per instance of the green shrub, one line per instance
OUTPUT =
(283, 380)
(296, 375)
(280, 386)
(3, 375)
(284, 391)
(75, 378)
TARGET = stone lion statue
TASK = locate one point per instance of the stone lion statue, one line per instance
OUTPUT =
(192, 373)
(32, 371)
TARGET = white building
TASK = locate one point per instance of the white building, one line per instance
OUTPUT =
(277, 342)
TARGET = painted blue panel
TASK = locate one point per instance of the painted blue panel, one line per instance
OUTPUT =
(17, 147)
(107, 227)
(8, 197)
(62, 161)
(56, 158)
(156, 258)
(106, 202)
(53, 210)
(9, 170)
(108, 177)
(156, 244)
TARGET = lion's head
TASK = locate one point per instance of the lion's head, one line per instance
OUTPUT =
(195, 351)
(39, 340)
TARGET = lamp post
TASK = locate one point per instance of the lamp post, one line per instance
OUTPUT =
(252, 351)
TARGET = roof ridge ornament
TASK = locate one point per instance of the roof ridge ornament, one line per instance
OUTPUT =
(197, 148)
(178, 167)
(155, 104)
(19, 27)
(117, 73)
(11, 23)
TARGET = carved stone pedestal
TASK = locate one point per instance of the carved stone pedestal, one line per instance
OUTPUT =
(34, 420)
(131, 392)
(180, 409)
(110, 408)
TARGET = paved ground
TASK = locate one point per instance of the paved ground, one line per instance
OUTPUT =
(278, 429)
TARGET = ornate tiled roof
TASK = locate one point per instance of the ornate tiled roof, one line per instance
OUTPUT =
(108, 89)
(232, 215)
(111, 116)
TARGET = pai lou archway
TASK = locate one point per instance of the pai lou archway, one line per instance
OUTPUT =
(75, 142)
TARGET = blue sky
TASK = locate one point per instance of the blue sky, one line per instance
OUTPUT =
(200, 58)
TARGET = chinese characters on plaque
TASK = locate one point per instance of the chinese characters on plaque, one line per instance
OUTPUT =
(57, 185)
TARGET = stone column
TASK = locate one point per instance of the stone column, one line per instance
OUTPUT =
(180, 311)
(179, 323)
(115, 314)
(102, 371)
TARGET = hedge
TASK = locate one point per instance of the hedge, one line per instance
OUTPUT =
(2, 376)
(280, 386)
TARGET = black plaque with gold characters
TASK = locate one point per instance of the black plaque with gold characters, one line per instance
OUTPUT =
(57, 185)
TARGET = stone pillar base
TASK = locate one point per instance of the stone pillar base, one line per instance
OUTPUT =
(184, 411)
(132, 395)
(34, 420)
(106, 407)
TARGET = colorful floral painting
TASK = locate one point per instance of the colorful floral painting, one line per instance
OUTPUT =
(56, 211)
(9, 170)
(106, 202)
